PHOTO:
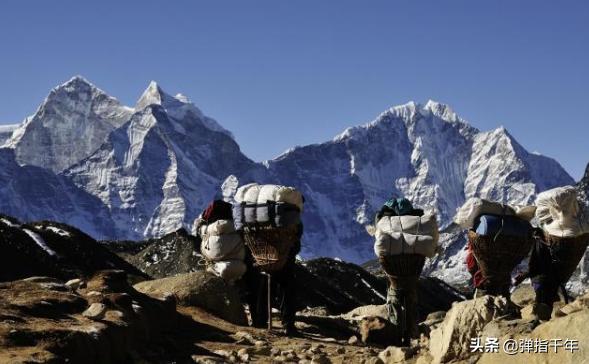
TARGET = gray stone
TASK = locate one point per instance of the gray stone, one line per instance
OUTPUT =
(96, 311)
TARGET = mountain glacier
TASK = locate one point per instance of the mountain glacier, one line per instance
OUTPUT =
(149, 169)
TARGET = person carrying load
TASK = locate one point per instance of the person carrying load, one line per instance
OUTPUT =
(404, 237)
(499, 238)
(269, 216)
(560, 245)
(221, 245)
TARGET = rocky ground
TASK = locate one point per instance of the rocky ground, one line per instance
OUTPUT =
(67, 298)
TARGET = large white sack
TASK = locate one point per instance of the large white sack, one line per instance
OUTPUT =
(560, 214)
(399, 243)
(396, 235)
(475, 207)
(415, 225)
(219, 227)
(254, 193)
(220, 241)
(229, 270)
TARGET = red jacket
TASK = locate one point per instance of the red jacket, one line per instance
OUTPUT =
(473, 268)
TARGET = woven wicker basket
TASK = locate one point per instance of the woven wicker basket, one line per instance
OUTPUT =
(498, 256)
(404, 265)
(568, 251)
(270, 246)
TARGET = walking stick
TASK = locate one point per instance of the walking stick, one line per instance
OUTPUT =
(269, 302)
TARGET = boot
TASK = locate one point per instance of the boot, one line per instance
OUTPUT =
(542, 311)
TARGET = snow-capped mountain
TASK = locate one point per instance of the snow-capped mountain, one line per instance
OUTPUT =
(71, 123)
(424, 152)
(153, 167)
(157, 171)
(6, 132)
(34, 193)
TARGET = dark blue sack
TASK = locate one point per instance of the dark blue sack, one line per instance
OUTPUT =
(277, 214)
(492, 225)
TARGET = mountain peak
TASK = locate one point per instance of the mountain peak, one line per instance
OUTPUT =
(76, 83)
(441, 110)
(153, 94)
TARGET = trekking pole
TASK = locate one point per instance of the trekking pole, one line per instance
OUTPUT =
(404, 321)
(269, 298)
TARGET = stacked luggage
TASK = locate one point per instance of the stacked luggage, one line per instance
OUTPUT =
(270, 218)
(403, 238)
(501, 236)
(565, 223)
(222, 246)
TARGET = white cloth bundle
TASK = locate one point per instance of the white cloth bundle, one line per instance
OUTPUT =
(229, 270)
(254, 193)
(560, 214)
(475, 207)
(397, 235)
(221, 242)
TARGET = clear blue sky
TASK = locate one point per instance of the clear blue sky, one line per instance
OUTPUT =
(299, 72)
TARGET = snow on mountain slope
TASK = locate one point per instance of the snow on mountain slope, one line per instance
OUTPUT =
(178, 107)
(6, 132)
(424, 152)
(72, 122)
(34, 193)
(156, 172)
(150, 169)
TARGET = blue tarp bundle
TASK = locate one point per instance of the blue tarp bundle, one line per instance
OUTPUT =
(279, 214)
(491, 225)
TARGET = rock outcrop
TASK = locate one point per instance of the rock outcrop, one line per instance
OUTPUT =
(341, 287)
(199, 289)
(465, 320)
(174, 253)
(52, 249)
(44, 321)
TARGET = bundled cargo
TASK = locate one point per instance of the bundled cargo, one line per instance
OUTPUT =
(467, 216)
(260, 194)
(560, 214)
(220, 241)
(500, 237)
(405, 235)
(274, 205)
(270, 218)
(223, 248)
(493, 225)
(229, 270)
(271, 246)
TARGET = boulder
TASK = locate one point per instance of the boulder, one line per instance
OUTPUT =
(465, 320)
(199, 289)
(96, 311)
(570, 327)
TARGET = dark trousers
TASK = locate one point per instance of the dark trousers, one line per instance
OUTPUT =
(283, 291)
(402, 308)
